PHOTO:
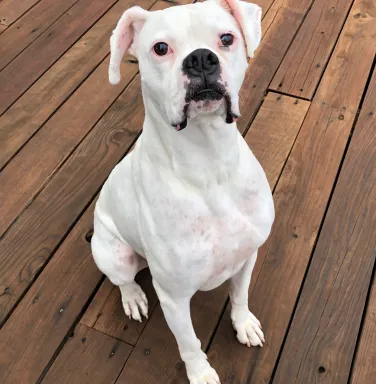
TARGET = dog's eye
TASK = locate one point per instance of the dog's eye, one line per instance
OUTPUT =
(227, 39)
(161, 49)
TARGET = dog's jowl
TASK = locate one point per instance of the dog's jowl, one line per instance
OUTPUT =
(191, 202)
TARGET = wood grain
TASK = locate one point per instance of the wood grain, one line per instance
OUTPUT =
(88, 357)
(306, 59)
(17, 77)
(11, 10)
(158, 365)
(364, 370)
(28, 114)
(113, 321)
(29, 27)
(275, 128)
(93, 312)
(301, 198)
(39, 159)
(29, 243)
(264, 4)
(48, 311)
(279, 26)
(321, 341)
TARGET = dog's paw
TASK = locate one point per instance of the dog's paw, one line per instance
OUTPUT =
(248, 329)
(206, 376)
(134, 301)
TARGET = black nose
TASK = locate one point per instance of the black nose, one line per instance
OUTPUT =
(201, 62)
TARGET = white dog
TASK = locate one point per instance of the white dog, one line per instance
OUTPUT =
(191, 201)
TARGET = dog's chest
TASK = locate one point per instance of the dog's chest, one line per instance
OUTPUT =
(211, 235)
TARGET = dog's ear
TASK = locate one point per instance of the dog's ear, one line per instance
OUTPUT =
(248, 16)
(124, 39)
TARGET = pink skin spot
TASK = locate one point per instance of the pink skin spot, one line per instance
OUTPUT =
(220, 270)
(124, 253)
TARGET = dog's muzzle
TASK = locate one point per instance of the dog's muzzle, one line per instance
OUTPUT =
(202, 67)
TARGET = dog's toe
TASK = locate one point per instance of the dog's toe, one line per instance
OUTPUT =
(134, 301)
(209, 376)
(249, 332)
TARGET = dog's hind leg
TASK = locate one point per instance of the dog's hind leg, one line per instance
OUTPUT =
(120, 263)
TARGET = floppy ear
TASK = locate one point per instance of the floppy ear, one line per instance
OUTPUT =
(123, 39)
(248, 16)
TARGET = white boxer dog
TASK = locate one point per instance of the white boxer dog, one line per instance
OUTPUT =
(191, 201)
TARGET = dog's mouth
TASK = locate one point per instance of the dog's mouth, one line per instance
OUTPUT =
(207, 100)
(208, 94)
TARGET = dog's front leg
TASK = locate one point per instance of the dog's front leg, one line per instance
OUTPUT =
(247, 327)
(176, 309)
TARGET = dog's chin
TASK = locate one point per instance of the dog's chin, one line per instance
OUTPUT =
(204, 104)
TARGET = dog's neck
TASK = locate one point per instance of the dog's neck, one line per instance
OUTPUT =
(206, 152)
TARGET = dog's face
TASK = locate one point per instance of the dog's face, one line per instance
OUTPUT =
(192, 58)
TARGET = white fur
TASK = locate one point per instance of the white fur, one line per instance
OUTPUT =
(193, 205)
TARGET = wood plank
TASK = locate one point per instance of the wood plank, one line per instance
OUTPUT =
(306, 59)
(17, 77)
(24, 31)
(278, 113)
(364, 370)
(39, 159)
(11, 10)
(323, 334)
(29, 113)
(88, 357)
(301, 198)
(269, 131)
(45, 315)
(111, 318)
(94, 310)
(29, 243)
(279, 27)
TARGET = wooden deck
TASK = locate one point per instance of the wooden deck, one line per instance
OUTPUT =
(309, 115)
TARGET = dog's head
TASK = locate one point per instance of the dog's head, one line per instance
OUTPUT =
(192, 58)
